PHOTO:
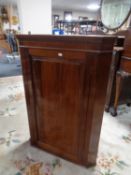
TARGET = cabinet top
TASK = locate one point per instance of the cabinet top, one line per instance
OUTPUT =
(84, 43)
(73, 37)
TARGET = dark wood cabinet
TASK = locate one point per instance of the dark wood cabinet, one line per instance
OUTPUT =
(65, 80)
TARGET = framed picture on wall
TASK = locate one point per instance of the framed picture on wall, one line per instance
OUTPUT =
(55, 20)
(68, 15)
(83, 18)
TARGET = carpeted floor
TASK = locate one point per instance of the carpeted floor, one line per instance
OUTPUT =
(18, 157)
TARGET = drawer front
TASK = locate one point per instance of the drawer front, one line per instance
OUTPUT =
(125, 64)
(69, 55)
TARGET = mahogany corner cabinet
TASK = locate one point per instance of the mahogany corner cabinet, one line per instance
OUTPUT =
(65, 80)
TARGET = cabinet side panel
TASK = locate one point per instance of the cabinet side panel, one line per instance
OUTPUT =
(96, 105)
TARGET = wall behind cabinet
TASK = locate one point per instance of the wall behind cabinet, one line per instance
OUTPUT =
(76, 14)
(35, 16)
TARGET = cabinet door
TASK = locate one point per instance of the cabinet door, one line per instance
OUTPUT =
(58, 88)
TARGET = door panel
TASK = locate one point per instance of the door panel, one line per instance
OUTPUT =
(58, 89)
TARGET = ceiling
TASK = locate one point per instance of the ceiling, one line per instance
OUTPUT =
(80, 5)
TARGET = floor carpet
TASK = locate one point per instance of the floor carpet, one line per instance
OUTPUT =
(18, 157)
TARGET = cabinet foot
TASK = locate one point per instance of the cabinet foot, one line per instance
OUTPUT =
(113, 112)
(128, 104)
(107, 108)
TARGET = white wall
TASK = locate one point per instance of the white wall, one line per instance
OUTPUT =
(35, 16)
(76, 14)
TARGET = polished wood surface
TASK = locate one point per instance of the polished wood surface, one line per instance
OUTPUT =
(2, 37)
(125, 64)
(65, 79)
(4, 44)
(127, 44)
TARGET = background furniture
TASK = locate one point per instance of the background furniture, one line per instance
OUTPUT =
(119, 87)
(78, 26)
(124, 73)
(65, 80)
